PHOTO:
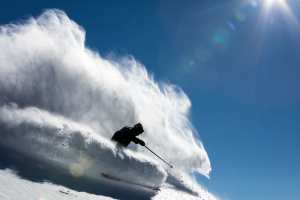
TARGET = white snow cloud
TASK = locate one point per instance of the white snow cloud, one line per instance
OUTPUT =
(50, 80)
(72, 146)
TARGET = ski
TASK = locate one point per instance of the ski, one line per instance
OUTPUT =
(113, 178)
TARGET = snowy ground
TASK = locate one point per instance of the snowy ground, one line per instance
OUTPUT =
(22, 178)
(13, 187)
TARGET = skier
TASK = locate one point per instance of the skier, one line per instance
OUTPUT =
(129, 134)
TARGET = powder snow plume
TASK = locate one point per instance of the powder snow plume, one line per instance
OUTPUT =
(55, 90)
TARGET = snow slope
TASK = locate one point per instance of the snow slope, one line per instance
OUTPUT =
(16, 188)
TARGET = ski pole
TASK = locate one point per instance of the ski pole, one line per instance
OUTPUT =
(159, 157)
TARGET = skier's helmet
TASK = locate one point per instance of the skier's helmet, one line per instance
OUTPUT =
(138, 129)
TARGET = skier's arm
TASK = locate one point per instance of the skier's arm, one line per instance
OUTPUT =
(138, 141)
(120, 134)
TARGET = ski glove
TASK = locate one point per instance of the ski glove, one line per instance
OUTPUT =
(142, 143)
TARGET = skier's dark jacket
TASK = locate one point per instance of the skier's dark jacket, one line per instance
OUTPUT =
(128, 134)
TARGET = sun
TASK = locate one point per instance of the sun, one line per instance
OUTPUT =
(271, 3)
(271, 7)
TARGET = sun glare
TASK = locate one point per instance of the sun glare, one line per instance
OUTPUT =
(270, 3)
(271, 7)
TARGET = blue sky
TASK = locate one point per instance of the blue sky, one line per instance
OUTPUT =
(239, 63)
